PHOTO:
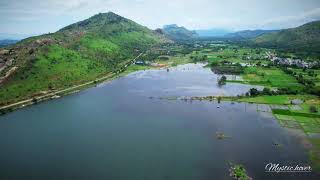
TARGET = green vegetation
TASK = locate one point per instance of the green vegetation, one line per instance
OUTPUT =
(270, 77)
(314, 154)
(179, 33)
(175, 60)
(76, 54)
(222, 80)
(304, 38)
(281, 99)
(58, 68)
(238, 172)
(248, 34)
(227, 68)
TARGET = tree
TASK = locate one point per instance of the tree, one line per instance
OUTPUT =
(254, 92)
(266, 91)
(222, 80)
(313, 109)
(35, 100)
(219, 99)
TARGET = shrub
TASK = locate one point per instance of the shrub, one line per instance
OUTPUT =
(313, 109)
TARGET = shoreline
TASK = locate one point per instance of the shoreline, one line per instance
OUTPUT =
(64, 92)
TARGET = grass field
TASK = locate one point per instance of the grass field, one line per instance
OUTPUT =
(175, 60)
(270, 77)
(297, 118)
(309, 123)
(282, 99)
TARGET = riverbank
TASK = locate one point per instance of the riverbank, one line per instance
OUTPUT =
(127, 68)
(58, 93)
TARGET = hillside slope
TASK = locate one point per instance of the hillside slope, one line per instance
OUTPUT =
(175, 32)
(303, 38)
(248, 34)
(77, 53)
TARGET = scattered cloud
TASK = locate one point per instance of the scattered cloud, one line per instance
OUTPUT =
(293, 20)
(38, 16)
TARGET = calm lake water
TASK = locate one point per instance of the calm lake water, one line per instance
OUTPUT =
(116, 132)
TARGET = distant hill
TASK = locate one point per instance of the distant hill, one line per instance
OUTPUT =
(15, 36)
(179, 33)
(7, 42)
(248, 34)
(305, 38)
(212, 32)
(77, 53)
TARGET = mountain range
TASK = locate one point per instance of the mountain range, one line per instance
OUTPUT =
(94, 47)
(248, 34)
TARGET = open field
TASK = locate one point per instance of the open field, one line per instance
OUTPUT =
(281, 99)
(254, 62)
(175, 60)
(270, 77)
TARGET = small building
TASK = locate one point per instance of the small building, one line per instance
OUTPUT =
(296, 101)
(139, 63)
(157, 65)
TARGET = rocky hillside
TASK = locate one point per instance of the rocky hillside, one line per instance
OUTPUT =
(77, 53)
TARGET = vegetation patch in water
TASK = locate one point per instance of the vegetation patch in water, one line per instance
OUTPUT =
(309, 123)
(291, 113)
(221, 136)
(238, 172)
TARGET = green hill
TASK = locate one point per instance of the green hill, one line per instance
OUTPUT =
(248, 34)
(303, 38)
(175, 32)
(75, 54)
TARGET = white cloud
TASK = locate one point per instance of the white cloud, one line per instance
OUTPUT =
(195, 14)
(294, 20)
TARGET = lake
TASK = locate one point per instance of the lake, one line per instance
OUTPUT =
(117, 131)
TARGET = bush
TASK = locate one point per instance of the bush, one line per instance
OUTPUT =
(313, 109)
(254, 92)
(222, 80)
(266, 91)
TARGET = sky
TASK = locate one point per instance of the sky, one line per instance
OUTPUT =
(33, 17)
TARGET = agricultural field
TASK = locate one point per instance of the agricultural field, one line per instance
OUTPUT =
(237, 55)
(309, 74)
(272, 77)
(280, 99)
(307, 122)
(175, 60)
(304, 116)
(256, 69)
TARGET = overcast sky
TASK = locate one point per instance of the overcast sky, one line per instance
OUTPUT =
(43, 16)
